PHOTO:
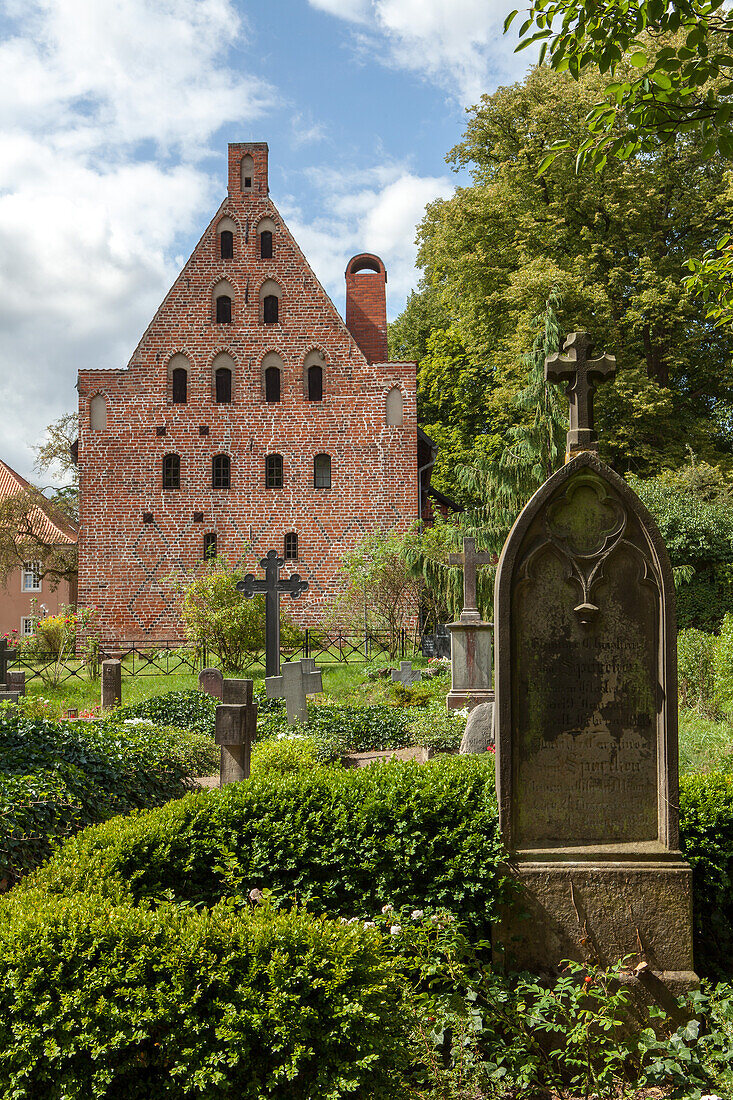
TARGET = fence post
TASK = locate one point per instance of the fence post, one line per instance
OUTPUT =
(307, 647)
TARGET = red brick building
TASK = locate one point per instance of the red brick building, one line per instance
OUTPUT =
(249, 417)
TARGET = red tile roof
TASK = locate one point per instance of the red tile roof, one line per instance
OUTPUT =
(47, 523)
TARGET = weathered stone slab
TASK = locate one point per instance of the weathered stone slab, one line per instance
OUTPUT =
(479, 733)
(406, 674)
(111, 684)
(236, 726)
(15, 681)
(297, 680)
(237, 691)
(364, 759)
(471, 664)
(9, 696)
(211, 681)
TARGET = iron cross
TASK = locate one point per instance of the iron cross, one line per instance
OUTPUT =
(273, 588)
(470, 560)
(582, 375)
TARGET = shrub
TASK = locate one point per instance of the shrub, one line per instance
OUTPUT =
(168, 1002)
(696, 663)
(344, 841)
(723, 666)
(284, 756)
(56, 777)
(187, 710)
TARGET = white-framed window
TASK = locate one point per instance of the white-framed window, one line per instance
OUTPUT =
(31, 581)
(26, 627)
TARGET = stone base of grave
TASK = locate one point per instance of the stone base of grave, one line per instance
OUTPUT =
(471, 664)
(600, 910)
(364, 759)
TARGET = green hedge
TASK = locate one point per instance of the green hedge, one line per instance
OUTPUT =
(187, 710)
(345, 842)
(56, 777)
(137, 1003)
(706, 838)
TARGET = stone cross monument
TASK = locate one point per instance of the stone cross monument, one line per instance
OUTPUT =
(471, 637)
(273, 587)
(582, 376)
(298, 679)
(236, 727)
(586, 721)
(406, 674)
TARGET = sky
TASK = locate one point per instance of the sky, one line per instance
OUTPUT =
(114, 122)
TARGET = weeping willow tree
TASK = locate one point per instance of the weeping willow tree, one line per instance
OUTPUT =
(535, 448)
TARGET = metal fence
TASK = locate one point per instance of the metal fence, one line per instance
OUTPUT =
(172, 657)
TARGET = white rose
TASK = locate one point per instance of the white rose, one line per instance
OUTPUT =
(417, 914)
(395, 930)
(386, 909)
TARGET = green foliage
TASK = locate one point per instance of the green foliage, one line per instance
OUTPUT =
(168, 1002)
(216, 616)
(694, 1057)
(696, 657)
(343, 841)
(57, 777)
(285, 755)
(706, 832)
(188, 710)
(612, 245)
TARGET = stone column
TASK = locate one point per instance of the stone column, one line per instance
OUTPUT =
(471, 664)
(235, 724)
(111, 684)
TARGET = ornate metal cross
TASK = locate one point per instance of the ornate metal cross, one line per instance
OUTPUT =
(273, 588)
(299, 679)
(582, 375)
(470, 560)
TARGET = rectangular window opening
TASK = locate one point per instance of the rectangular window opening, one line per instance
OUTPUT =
(31, 576)
(210, 545)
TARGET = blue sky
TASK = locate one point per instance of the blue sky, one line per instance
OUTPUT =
(114, 121)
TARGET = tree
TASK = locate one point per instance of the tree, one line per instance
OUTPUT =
(54, 456)
(671, 72)
(612, 244)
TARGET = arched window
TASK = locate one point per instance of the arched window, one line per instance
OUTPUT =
(223, 310)
(221, 472)
(270, 295)
(271, 309)
(226, 244)
(266, 244)
(322, 472)
(171, 471)
(248, 170)
(223, 383)
(98, 413)
(180, 386)
(393, 408)
(274, 471)
(272, 384)
(291, 546)
(315, 383)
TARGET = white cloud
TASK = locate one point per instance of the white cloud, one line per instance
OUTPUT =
(457, 44)
(107, 112)
(376, 211)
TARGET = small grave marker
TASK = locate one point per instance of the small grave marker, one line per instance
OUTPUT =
(111, 684)
(273, 588)
(211, 680)
(236, 726)
(15, 681)
(298, 679)
(406, 674)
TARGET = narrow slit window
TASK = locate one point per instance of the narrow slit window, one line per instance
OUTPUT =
(223, 310)
(271, 309)
(221, 472)
(180, 386)
(266, 244)
(274, 471)
(171, 471)
(226, 244)
(291, 546)
(223, 380)
(272, 384)
(315, 383)
(210, 545)
(322, 472)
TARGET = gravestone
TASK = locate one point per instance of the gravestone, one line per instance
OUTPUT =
(15, 681)
(211, 680)
(9, 697)
(273, 588)
(406, 674)
(586, 719)
(471, 637)
(479, 732)
(236, 727)
(111, 684)
(298, 679)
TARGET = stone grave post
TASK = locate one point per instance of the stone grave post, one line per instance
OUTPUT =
(470, 638)
(273, 587)
(406, 674)
(211, 680)
(298, 679)
(236, 726)
(586, 720)
(111, 684)
(15, 681)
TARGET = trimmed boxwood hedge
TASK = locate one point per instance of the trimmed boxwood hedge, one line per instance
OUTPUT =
(344, 841)
(100, 1001)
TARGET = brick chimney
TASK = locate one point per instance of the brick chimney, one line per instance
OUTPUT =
(248, 168)
(366, 305)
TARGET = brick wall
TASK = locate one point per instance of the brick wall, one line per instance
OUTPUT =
(124, 561)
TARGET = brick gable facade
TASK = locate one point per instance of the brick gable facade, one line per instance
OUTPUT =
(135, 532)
